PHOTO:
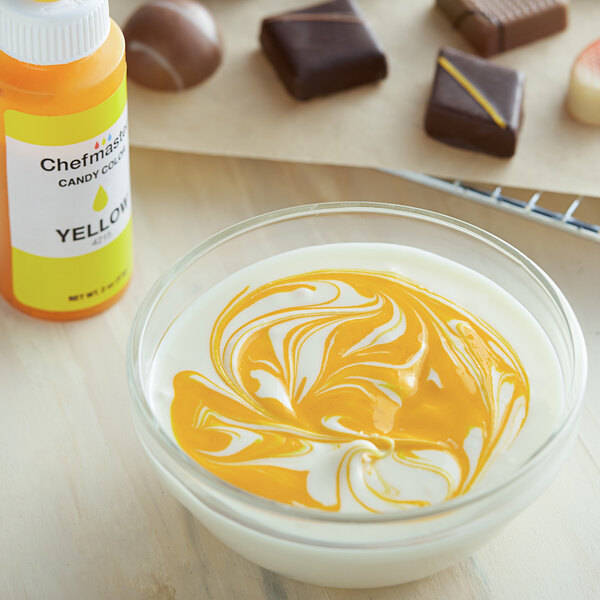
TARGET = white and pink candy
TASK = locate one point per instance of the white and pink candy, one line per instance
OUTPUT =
(583, 98)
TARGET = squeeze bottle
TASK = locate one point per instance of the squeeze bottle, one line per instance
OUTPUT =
(65, 200)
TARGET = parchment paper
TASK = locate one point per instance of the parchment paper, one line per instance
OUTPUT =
(245, 111)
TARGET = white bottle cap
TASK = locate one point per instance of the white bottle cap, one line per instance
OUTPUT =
(52, 32)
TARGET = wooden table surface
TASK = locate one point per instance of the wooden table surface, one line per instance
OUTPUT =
(82, 515)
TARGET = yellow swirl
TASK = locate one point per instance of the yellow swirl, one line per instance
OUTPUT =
(350, 388)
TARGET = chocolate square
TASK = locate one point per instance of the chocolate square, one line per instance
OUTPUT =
(322, 49)
(475, 104)
(493, 26)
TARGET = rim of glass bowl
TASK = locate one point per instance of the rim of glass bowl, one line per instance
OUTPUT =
(576, 385)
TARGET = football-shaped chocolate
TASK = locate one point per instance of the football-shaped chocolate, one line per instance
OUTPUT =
(172, 44)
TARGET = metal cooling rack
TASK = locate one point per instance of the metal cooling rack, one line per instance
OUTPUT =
(530, 208)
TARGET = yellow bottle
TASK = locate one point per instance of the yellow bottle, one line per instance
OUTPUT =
(65, 200)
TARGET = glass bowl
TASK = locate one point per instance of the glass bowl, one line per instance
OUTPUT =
(371, 549)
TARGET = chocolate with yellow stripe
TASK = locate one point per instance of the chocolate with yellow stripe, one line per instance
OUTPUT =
(475, 104)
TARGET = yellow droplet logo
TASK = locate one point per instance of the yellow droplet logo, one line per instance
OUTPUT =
(101, 199)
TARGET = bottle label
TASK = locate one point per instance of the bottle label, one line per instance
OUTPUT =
(69, 203)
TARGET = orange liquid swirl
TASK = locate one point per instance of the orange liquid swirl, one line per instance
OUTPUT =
(360, 372)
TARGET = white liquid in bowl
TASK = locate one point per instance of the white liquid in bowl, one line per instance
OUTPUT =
(355, 466)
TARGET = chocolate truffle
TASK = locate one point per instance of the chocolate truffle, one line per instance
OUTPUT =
(583, 100)
(475, 104)
(493, 26)
(172, 44)
(322, 49)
